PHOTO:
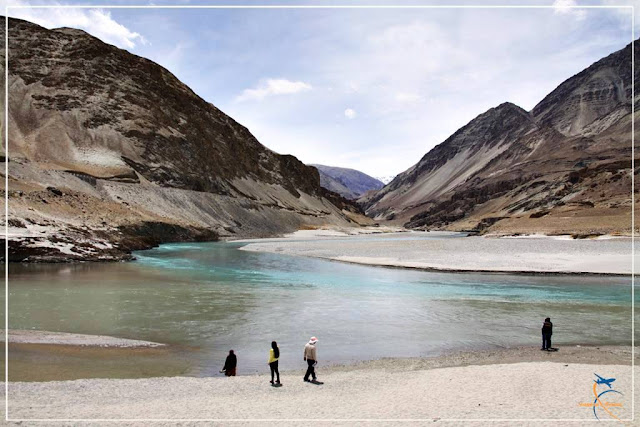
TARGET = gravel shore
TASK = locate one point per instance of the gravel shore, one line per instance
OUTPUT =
(542, 255)
(20, 336)
(524, 384)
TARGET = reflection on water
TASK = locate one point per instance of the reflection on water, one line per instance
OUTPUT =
(211, 297)
(37, 362)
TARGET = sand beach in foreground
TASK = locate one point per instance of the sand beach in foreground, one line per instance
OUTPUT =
(526, 254)
(520, 383)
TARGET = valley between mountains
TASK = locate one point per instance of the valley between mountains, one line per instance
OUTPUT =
(109, 152)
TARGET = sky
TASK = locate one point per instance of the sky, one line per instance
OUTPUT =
(368, 89)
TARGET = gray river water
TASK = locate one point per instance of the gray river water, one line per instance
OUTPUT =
(207, 298)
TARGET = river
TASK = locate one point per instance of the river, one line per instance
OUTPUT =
(206, 298)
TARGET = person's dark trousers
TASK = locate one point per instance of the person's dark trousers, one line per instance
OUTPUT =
(310, 370)
(546, 341)
(274, 370)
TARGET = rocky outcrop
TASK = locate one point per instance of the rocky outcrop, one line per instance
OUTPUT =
(592, 100)
(349, 183)
(136, 157)
(562, 167)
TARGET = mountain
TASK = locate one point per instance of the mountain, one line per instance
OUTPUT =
(349, 183)
(110, 152)
(385, 179)
(563, 167)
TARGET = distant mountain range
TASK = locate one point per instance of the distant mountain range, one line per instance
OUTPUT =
(110, 152)
(564, 166)
(349, 183)
(385, 179)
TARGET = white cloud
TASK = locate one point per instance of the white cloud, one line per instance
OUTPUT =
(271, 87)
(420, 76)
(350, 113)
(623, 12)
(408, 97)
(97, 22)
(567, 7)
(352, 87)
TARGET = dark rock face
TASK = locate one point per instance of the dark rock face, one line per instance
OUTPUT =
(349, 183)
(111, 153)
(115, 245)
(461, 203)
(169, 135)
(507, 121)
(342, 203)
(589, 96)
(509, 163)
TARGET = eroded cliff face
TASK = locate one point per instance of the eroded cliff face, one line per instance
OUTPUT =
(592, 100)
(564, 167)
(111, 152)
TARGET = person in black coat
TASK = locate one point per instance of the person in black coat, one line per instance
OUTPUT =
(547, 331)
(230, 364)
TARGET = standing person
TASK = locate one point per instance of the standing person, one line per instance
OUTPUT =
(274, 355)
(547, 331)
(310, 356)
(230, 364)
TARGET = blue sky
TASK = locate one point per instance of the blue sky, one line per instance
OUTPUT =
(370, 89)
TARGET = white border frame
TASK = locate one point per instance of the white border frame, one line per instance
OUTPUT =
(176, 420)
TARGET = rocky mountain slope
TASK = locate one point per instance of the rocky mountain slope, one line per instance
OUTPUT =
(349, 183)
(110, 152)
(564, 167)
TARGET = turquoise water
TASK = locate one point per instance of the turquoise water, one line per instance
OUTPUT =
(211, 297)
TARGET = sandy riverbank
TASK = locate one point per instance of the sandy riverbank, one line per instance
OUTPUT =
(479, 254)
(52, 356)
(332, 232)
(482, 385)
(21, 336)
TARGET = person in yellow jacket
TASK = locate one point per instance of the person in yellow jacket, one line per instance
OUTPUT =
(274, 355)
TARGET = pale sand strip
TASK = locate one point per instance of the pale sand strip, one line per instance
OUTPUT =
(474, 254)
(19, 336)
(384, 389)
(514, 391)
(334, 232)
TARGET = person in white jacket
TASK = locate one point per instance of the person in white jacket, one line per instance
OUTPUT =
(310, 356)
